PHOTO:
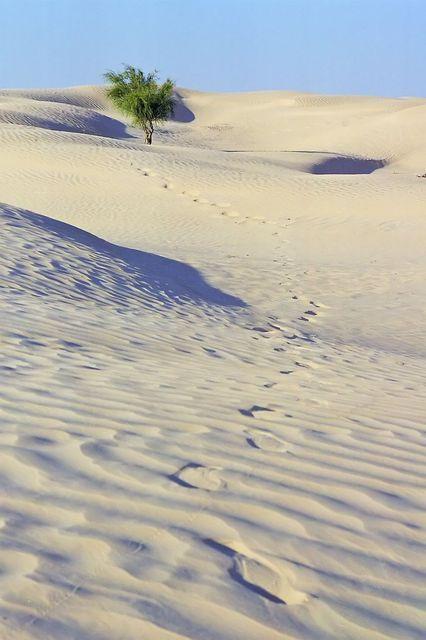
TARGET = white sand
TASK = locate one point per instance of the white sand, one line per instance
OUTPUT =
(228, 442)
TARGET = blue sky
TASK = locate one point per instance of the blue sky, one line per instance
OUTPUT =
(331, 46)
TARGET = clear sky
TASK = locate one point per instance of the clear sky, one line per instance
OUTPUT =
(331, 46)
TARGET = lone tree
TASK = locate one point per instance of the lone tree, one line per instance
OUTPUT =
(141, 97)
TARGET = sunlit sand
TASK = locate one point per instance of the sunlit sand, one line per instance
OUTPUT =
(213, 351)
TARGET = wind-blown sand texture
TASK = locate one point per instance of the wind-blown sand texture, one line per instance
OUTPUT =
(212, 399)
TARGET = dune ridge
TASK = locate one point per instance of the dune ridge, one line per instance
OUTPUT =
(212, 398)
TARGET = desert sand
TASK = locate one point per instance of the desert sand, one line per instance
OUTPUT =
(212, 399)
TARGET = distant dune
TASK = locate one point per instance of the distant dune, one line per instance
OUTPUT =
(212, 398)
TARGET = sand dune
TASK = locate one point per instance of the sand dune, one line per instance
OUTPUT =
(212, 395)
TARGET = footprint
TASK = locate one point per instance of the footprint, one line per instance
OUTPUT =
(211, 352)
(268, 329)
(301, 364)
(266, 441)
(250, 412)
(277, 326)
(197, 476)
(259, 574)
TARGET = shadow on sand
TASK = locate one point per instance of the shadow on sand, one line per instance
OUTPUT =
(181, 113)
(115, 270)
(334, 164)
(97, 125)
(347, 165)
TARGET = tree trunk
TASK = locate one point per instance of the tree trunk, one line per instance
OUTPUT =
(149, 130)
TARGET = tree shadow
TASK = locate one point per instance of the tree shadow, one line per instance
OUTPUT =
(110, 271)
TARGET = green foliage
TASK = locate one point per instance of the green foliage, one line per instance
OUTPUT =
(141, 97)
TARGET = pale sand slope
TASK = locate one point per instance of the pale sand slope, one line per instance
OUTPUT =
(227, 442)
